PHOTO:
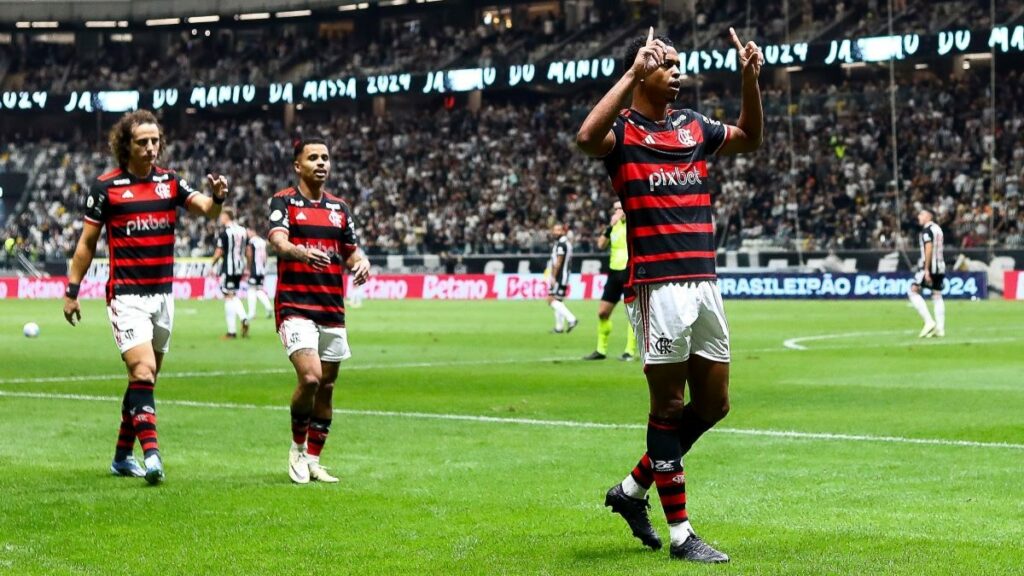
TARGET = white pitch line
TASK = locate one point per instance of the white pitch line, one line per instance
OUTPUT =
(796, 343)
(345, 368)
(788, 434)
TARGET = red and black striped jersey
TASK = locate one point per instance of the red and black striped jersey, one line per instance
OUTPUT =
(659, 171)
(140, 215)
(327, 226)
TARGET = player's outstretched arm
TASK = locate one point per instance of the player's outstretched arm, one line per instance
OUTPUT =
(747, 134)
(595, 136)
(209, 206)
(84, 252)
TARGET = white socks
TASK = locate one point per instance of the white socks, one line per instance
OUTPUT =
(940, 313)
(229, 314)
(561, 312)
(233, 309)
(632, 489)
(678, 533)
(264, 300)
(922, 307)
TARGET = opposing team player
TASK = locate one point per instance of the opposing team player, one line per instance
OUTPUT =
(230, 254)
(558, 283)
(614, 235)
(931, 277)
(656, 157)
(256, 263)
(138, 203)
(315, 239)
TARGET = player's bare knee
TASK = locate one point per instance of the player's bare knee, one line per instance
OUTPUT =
(309, 381)
(717, 411)
(142, 370)
(667, 408)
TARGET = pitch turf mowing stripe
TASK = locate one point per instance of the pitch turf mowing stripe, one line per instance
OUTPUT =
(202, 373)
(788, 434)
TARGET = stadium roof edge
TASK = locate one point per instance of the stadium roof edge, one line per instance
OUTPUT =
(75, 12)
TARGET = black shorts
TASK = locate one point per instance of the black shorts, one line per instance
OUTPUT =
(557, 291)
(230, 283)
(936, 285)
(615, 286)
(256, 281)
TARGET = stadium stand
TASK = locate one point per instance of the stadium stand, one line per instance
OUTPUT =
(440, 180)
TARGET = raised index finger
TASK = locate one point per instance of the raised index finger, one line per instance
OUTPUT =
(650, 35)
(735, 39)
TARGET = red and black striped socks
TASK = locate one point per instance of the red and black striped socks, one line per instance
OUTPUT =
(300, 426)
(666, 457)
(125, 433)
(318, 430)
(142, 408)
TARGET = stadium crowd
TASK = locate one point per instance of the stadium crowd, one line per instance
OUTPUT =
(494, 181)
(148, 58)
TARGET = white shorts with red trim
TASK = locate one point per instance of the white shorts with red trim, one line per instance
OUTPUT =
(331, 342)
(675, 319)
(137, 319)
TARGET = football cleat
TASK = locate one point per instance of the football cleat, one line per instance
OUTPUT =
(928, 330)
(938, 334)
(571, 326)
(696, 550)
(626, 357)
(154, 469)
(634, 512)
(556, 331)
(229, 336)
(319, 473)
(298, 466)
(595, 355)
(128, 467)
(245, 328)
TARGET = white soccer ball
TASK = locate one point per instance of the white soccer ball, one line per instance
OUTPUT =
(31, 330)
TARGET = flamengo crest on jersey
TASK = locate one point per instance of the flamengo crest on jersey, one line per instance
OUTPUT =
(327, 226)
(140, 216)
(659, 172)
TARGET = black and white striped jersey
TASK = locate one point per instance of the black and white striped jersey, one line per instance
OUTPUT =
(562, 247)
(258, 264)
(232, 242)
(932, 233)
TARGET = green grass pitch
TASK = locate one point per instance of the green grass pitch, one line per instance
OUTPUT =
(471, 441)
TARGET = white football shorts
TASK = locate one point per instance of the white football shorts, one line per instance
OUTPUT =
(331, 342)
(137, 319)
(675, 319)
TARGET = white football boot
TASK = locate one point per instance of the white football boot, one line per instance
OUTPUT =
(298, 466)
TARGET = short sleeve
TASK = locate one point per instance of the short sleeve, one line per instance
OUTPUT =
(349, 238)
(222, 240)
(96, 204)
(560, 249)
(185, 192)
(614, 157)
(926, 235)
(278, 215)
(716, 134)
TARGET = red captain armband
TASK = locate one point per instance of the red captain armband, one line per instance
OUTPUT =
(348, 250)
